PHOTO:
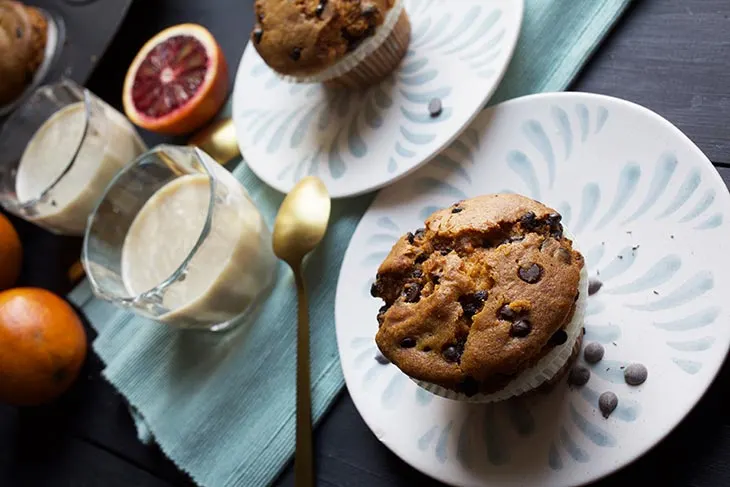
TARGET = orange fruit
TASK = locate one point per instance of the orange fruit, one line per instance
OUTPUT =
(11, 254)
(42, 346)
(177, 82)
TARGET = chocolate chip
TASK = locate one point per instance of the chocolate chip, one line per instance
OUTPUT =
(369, 10)
(473, 303)
(435, 279)
(320, 8)
(435, 107)
(558, 338)
(564, 256)
(506, 313)
(296, 53)
(607, 403)
(594, 285)
(421, 258)
(554, 219)
(381, 359)
(457, 210)
(530, 274)
(408, 342)
(579, 376)
(411, 238)
(412, 292)
(420, 233)
(260, 17)
(445, 251)
(453, 353)
(417, 274)
(381, 314)
(53, 202)
(593, 353)
(635, 374)
(516, 238)
(529, 221)
(258, 34)
(520, 329)
(18, 32)
(469, 386)
(375, 290)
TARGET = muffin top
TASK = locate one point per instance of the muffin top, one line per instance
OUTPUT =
(478, 295)
(303, 37)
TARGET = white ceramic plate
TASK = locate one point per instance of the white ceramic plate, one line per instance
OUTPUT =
(650, 214)
(358, 142)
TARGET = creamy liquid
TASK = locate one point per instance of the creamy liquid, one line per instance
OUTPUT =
(227, 273)
(110, 144)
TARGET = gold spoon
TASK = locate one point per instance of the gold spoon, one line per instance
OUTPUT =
(299, 228)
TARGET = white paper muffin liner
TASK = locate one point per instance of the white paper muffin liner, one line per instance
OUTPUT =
(370, 50)
(544, 370)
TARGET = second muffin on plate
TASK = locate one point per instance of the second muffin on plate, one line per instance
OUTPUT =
(484, 303)
(349, 43)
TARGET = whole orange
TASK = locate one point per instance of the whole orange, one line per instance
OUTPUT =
(42, 346)
(11, 254)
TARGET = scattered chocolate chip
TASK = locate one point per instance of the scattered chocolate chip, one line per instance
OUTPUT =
(506, 313)
(435, 107)
(457, 210)
(408, 342)
(417, 274)
(320, 8)
(412, 292)
(594, 285)
(426, 349)
(469, 386)
(420, 233)
(296, 53)
(656, 292)
(258, 34)
(381, 359)
(445, 251)
(564, 256)
(520, 329)
(556, 231)
(435, 279)
(530, 274)
(529, 221)
(607, 403)
(635, 248)
(421, 258)
(369, 10)
(635, 374)
(411, 238)
(593, 353)
(671, 236)
(53, 202)
(473, 303)
(558, 338)
(579, 376)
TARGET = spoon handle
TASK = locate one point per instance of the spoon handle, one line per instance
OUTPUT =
(303, 462)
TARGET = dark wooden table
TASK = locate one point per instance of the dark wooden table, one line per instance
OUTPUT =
(672, 56)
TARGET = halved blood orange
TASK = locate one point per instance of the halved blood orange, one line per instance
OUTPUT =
(177, 82)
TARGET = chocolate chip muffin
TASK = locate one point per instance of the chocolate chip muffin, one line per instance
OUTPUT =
(23, 36)
(484, 298)
(352, 43)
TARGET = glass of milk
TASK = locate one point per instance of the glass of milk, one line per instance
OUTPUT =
(58, 152)
(177, 238)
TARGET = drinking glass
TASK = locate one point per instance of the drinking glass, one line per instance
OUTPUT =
(177, 238)
(60, 149)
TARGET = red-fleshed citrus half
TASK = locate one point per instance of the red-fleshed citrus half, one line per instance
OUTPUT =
(177, 82)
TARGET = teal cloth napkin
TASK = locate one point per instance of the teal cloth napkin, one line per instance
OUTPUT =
(222, 407)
